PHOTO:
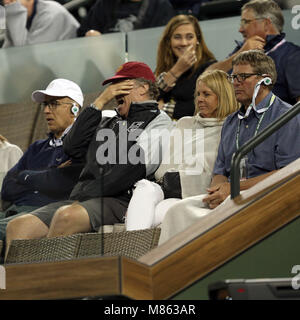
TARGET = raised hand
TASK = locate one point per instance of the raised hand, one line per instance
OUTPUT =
(255, 42)
(185, 61)
(117, 89)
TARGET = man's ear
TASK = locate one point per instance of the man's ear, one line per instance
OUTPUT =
(144, 89)
(268, 25)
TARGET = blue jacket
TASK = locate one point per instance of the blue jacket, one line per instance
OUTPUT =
(287, 60)
(36, 179)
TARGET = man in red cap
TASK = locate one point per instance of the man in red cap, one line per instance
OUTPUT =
(118, 154)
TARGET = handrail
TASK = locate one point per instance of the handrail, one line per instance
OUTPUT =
(252, 143)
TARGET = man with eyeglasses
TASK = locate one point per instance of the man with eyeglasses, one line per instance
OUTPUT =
(45, 173)
(119, 152)
(261, 27)
(253, 76)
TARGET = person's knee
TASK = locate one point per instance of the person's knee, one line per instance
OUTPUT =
(69, 220)
(20, 227)
(63, 218)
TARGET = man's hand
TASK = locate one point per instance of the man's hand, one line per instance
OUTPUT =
(217, 194)
(117, 89)
(65, 164)
(253, 43)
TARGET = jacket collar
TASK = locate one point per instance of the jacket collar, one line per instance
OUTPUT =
(138, 107)
(271, 41)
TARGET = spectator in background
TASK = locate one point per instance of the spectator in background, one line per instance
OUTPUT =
(37, 21)
(253, 76)
(261, 26)
(125, 15)
(45, 173)
(182, 56)
(9, 156)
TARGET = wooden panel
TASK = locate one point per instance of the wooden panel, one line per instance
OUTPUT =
(136, 279)
(218, 245)
(61, 280)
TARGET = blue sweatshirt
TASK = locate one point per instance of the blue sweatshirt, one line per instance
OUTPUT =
(36, 179)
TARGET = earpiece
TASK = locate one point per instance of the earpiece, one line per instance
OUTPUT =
(74, 109)
(267, 81)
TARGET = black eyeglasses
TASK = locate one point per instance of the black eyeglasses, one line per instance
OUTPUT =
(240, 77)
(52, 105)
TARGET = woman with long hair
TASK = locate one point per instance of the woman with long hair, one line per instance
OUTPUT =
(181, 57)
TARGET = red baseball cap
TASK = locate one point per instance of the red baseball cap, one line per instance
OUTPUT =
(132, 70)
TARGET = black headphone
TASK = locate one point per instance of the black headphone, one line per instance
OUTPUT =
(74, 109)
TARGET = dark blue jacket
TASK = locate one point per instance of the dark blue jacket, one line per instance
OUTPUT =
(287, 61)
(36, 179)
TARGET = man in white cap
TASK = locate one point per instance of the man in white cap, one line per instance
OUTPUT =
(45, 173)
(118, 154)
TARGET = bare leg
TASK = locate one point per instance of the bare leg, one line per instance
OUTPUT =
(69, 220)
(27, 226)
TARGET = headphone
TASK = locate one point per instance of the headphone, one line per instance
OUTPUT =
(74, 109)
(266, 81)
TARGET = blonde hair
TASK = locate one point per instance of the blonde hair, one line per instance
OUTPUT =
(166, 59)
(217, 81)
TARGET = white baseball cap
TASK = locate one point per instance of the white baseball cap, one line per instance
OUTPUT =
(60, 88)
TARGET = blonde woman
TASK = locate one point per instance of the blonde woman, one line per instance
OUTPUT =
(181, 57)
(194, 141)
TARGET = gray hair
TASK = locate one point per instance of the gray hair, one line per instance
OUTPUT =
(153, 91)
(266, 9)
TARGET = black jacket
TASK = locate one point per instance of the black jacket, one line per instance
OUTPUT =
(101, 16)
(111, 139)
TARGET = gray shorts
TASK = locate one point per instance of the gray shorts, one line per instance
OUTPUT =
(113, 211)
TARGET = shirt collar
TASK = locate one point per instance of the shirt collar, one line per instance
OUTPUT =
(57, 142)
